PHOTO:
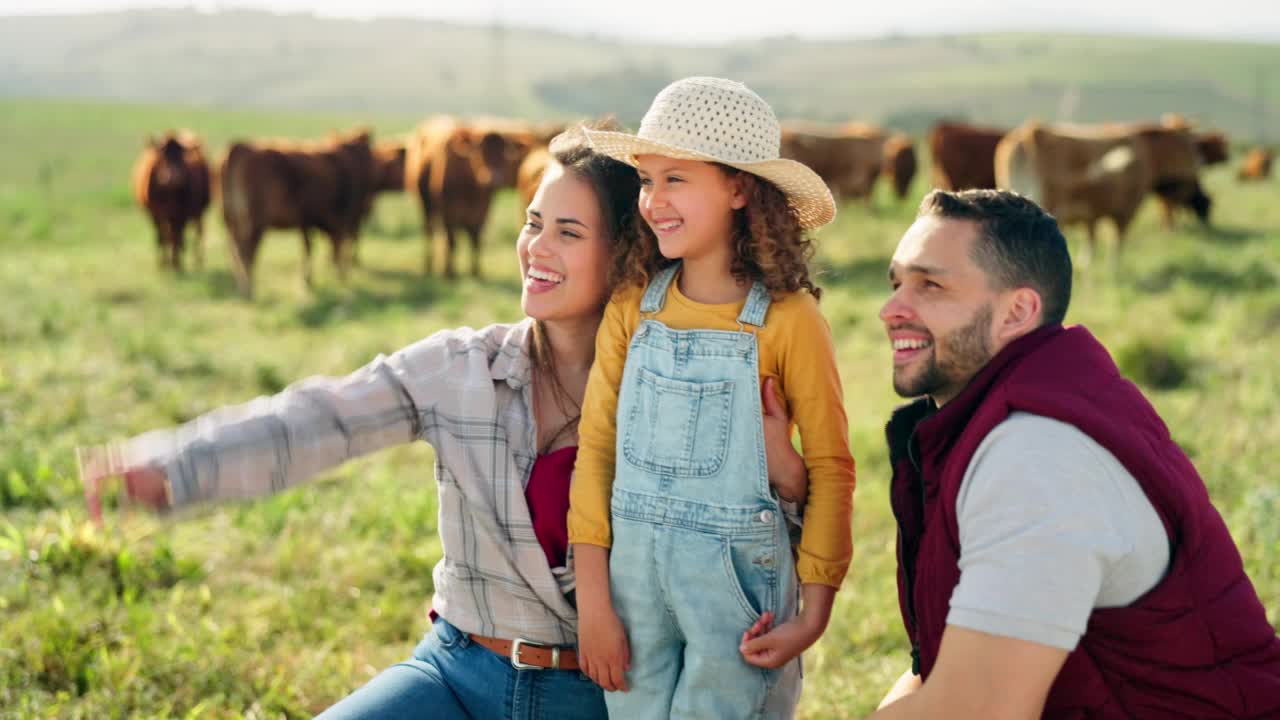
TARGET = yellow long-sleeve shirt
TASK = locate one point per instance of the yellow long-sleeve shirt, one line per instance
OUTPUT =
(795, 348)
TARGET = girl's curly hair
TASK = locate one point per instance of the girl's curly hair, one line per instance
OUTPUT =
(768, 243)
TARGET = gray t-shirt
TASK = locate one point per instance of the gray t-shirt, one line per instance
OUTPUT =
(1051, 527)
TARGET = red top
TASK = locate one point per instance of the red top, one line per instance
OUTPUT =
(548, 496)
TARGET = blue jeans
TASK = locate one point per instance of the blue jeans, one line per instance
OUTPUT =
(451, 677)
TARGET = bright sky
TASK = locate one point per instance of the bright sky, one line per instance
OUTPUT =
(687, 21)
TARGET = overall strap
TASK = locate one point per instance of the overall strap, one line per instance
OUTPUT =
(757, 305)
(656, 294)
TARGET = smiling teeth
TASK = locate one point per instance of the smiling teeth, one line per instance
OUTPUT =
(910, 344)
(545, 275)
(669, 225)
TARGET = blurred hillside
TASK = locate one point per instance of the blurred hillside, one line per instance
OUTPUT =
(239, 59)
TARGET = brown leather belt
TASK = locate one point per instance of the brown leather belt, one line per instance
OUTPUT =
(526, 655)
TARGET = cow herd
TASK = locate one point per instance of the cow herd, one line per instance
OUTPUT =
(1086, 173)
(1081, 174)
(452, 167)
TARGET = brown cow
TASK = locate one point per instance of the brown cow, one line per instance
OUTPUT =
(1175, 166)
(848, 158)
(281, 184)
(171, 182)
(963, 155)
(455, 170)
(1077, 174)
(900, 163)
(1256, 165)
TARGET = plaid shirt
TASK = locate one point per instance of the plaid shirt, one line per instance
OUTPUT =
(464, 391)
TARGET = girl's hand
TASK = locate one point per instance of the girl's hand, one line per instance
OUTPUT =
(144, 484)
(603, 652)
(787, 473)
(772, 648)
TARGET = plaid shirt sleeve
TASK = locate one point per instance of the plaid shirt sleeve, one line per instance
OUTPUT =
(272, 443)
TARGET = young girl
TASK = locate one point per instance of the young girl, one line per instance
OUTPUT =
(681, 547)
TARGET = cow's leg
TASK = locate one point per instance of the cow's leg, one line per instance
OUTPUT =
(428, 253)
(199, 243)
(342, 249)
(450, 236)
(161, 252)
(179, 243)
(246, 242)
(474, 232)
(306, 256)
(1167, 207)
(1090, 249)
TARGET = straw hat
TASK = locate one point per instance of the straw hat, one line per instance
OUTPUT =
(715, 120)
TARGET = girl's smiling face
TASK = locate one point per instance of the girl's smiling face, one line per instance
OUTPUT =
(689, 206)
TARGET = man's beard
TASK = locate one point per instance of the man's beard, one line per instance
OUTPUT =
(967, 350)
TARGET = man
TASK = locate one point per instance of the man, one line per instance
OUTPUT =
(1058, 553)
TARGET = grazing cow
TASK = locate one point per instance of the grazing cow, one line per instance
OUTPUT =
(454, 170)
(963, 155)
(848, 158)
(900, 163)
(279, 184)
(171, 182)
(1256, 165)
(1077, 174)
(1175, 166)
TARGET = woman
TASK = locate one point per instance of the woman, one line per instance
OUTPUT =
(500, 406)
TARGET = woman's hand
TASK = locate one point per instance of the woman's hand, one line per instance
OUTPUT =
(145, 484)
(603, 652)
(787, 473)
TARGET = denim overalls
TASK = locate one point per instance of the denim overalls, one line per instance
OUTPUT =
(700, 547)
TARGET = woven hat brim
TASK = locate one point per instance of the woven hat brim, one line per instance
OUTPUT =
(807, 194)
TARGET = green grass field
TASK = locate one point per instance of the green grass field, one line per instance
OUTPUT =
(277, 608)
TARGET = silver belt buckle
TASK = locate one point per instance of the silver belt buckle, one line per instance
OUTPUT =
(515, 655)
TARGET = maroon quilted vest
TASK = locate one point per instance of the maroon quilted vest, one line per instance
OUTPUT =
(1198, 645)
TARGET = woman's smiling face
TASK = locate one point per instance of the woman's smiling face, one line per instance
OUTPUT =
(563, 250)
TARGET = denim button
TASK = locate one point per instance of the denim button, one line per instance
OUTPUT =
(766, 516)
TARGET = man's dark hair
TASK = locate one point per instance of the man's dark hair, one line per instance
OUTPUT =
(1019, 244)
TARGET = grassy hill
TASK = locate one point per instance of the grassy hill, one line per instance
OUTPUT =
(240, 59)
(277, 607)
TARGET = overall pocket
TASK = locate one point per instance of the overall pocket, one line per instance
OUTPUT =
(751, 571)
(678, 428)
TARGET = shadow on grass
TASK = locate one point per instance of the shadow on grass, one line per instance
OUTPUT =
(1208, 276)
(395, 289)
(1224, 235)
(865, 274)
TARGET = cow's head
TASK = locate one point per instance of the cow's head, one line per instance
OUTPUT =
(492, 153)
